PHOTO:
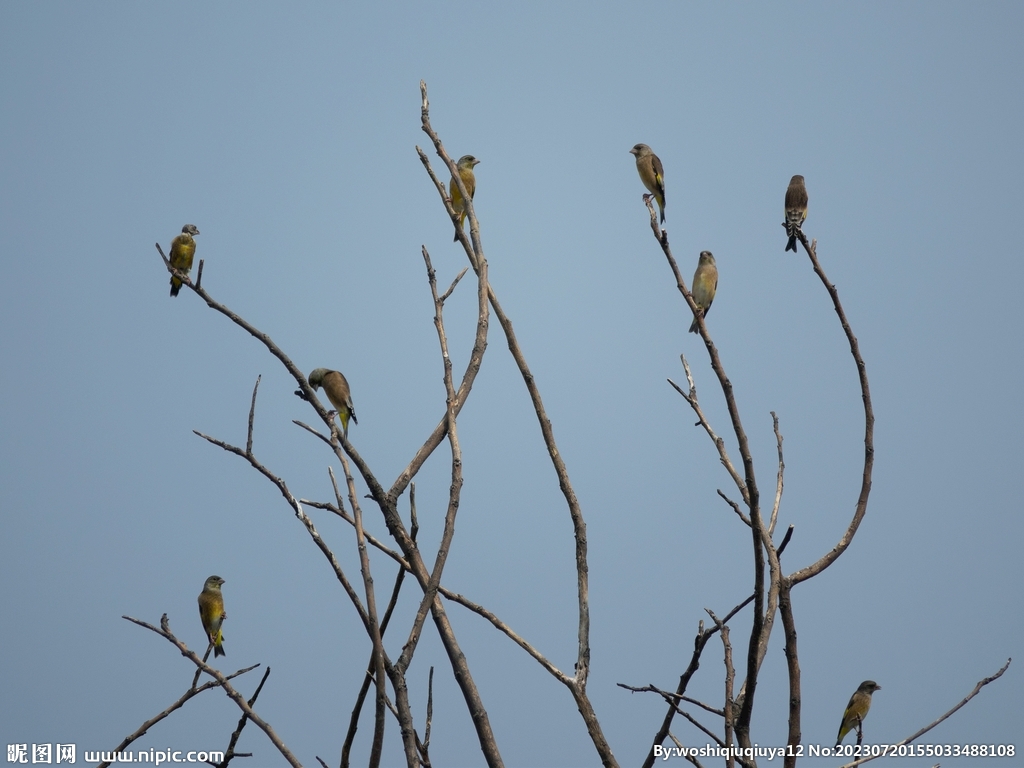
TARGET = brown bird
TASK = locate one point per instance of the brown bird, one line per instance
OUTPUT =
(465, 165)
(211, 612)
(705, 283)
(857, 709)
(648, 165)
(796, 209)
(183, 249)
(336, 387)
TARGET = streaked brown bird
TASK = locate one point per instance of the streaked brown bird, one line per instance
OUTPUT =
(652, 174)
(857, 709)
(336, 387)
(465, 165)
(211, 611)
(705, 283)
(796, 209)
(183, 249)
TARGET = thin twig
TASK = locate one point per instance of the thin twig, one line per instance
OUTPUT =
(735, 507)
(192, 691)
(164, 631)
(977, 689)
(723, 454)
(729, 710)
(230, 754)
(778, 481)
(455, 487)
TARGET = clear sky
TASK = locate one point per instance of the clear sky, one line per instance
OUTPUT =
(287, 134)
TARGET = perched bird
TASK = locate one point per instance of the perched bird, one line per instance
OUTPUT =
(336, 387)
(796, 209)
(705, 283)
(465, 165)
(211, 611)
(857, 709)
(183, 248)
(651, 174)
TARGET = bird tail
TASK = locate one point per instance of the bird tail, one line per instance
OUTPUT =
(175, 286)
(661, 206)
(693, 326)
(218, 645)
(792, 229)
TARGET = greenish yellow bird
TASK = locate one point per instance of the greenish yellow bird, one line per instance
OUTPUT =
(652, 174)
(211, 611)
(465, 165)
(796, 209)
(183, 249)
(336, 387)
(705, 283)
(857, 709)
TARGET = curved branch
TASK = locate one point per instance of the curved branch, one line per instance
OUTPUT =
(869, 426)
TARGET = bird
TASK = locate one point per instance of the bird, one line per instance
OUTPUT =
(796, 209)
(465, 165)
(857, 709)
(336, 387)
(183, 248)
(211, 611)
(652, 174)
(705, 283)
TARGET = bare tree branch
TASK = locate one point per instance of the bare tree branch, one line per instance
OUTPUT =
(230, 754)
(723, 454)
(977, 689)
(192, 691)
(778, 482)
(762, 619)
(164, 631)
(474, 250)
(869, 425)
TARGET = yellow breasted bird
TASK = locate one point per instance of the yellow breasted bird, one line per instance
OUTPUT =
(336, 387)
(183, 249)
(211, 611)
(465, 166)
(705, 283)
(857, 709)
(796, 209)
(648, 165)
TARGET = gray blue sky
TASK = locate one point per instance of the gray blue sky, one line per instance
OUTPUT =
(287, 134)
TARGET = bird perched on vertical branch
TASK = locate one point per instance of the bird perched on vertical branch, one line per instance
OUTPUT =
(796, 209)
(465, 165)
(211, 611)
(652, 174)
(857, 709)
(705, 283)
(336, 387)
(183, 249)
